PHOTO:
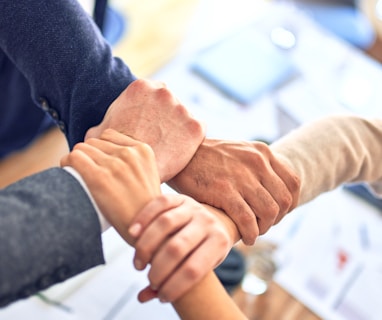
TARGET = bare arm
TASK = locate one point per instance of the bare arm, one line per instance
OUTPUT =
(147, 111)
(122, 180)
(208, 299)
(258, 188)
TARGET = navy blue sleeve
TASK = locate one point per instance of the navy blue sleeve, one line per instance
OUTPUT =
(70, 67)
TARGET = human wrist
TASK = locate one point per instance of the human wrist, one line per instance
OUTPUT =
(102, 220)
(229, 225)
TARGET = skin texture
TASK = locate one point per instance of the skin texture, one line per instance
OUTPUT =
(208, 300)
(122, 176)
(147, 111)
(120, 173)
(258, 188)
(176, 235)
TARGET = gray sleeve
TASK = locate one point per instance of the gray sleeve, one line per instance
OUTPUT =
(49, 233)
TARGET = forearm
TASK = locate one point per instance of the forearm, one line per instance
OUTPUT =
(332, 151)
(207, 300)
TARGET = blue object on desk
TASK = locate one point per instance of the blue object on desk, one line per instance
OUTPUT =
(244, 65)
(346, 22)
(361, 190)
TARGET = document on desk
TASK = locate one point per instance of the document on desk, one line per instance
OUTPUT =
(333, 262)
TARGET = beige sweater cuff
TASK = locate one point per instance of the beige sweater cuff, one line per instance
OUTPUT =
(331, 151)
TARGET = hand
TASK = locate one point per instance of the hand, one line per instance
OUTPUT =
(182, 240)
(120, 173)
(245, 180)
(148, 112)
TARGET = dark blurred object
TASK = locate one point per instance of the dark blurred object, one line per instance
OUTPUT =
(231, 271)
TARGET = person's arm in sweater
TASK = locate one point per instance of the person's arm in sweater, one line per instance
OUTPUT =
(331, 151)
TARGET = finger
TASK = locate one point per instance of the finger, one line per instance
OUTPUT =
(264, 206)
(147, 294)
(94, 152)
(242, 215)
(281, 198)
(151, 210)
(290, 179)
(156, 234)
(68, 159)
(118, 138)
(198, 264)
(173, 253)
(277, 186)
(64, 160)
(113, 157)
(82, 163)
(275, 198)
(106, 147)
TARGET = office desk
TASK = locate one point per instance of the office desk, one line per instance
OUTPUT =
(266, 120)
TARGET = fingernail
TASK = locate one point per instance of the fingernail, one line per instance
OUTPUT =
(135, 229)
(163, 299)
(147, 300)
(139, 264)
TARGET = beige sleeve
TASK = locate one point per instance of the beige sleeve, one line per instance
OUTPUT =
(331, 151)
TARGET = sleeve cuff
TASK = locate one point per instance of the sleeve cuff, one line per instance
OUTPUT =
(103, 222)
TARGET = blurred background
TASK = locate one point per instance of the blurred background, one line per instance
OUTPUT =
(289, 62)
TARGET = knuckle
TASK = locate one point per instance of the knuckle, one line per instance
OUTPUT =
(295, 183)
(262, 146)
(106, 133)
(163, 200)
(91, 140)
(138, 83)
(207, 217)
(165, 221)
(75, 153)
(285, 202)
(223, 239)
(146, 150)
(164, 93)
(77, 147)
(260, 162)
(175, 248)
(116, 165)
(124, 152)
(195, 127)
(192, 272)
